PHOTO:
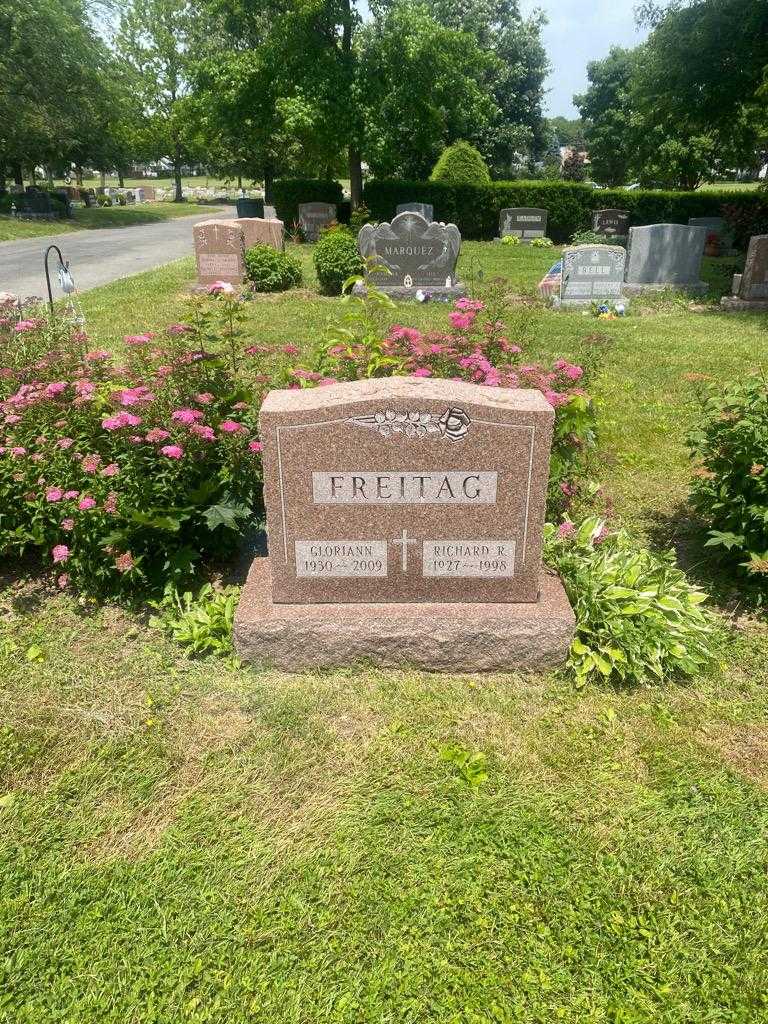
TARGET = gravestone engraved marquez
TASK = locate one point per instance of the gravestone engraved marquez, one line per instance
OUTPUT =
(415, 253)
(750, 289)
(592, 273)
(219, 251)
(404, 521)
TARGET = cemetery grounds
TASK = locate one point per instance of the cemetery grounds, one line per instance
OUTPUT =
(190, 840)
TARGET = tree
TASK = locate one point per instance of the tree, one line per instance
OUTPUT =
(154, 39)
(567, 131)
(573, 167)
(423, 87)
(461, 164)
(606, 111)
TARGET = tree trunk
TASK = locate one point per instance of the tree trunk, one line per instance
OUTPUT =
(269, 181)
(355, 177)
(18, 175)
(103, 180)
(178, 194)
(2, 176)
(120, 179)
(49, 175)
(79, 175)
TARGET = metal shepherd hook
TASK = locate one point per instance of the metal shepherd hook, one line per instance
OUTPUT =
(65, 277)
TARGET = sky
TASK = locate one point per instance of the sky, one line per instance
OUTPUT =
(580, 31)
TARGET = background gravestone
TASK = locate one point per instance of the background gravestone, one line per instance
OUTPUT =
(526, 222)
(270, 213)
(404, 521)
(426, 210)
(663, 256)
(313, 217)
(418, 256)
(714, 225)
(610, 222)
(750, 289)
(592, 273)
(219, 251)
(259, 231)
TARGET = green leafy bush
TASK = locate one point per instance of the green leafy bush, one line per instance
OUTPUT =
(289, 192)
(730, 488)
(510, 240)
(593, 238)
(475, 208)
(269, 270)
(461, 164)
(359, 217)
(336, 258)
(637, 616)
(542, 243)
(203, 623)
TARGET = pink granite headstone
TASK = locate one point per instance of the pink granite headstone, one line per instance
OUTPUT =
(259, 231)
(219, 250)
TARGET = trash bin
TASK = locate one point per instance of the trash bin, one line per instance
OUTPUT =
(250, 207)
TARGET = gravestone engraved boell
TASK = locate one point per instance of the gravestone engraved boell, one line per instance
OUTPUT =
(750, 288)
(426, 210)
(611, 222)
(411, 255)
(404, 520)
(313, 217)
(661, 256)
(525, 222)
(592, 273)
(219, 251)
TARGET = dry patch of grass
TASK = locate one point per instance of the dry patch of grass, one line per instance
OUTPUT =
(745, 749)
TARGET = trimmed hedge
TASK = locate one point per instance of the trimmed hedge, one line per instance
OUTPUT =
(289, 192)
(475, 208)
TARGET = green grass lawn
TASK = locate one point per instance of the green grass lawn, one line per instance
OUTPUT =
(192, 841)
(94, 218)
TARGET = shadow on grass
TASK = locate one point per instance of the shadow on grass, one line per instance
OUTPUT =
(714, 569)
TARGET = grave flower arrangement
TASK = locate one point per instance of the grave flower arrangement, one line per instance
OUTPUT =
(123, 473)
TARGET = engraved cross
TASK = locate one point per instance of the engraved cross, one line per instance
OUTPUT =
(404, 541)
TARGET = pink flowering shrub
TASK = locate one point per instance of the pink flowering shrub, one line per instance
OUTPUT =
(124, 475)
(475, 347)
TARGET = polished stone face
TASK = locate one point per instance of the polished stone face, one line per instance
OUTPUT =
(660, 254)
(261, 231)
(592, 273)
(313, 217)
(219, 251)
(754, 280)
(405, 490)
(410, 252)
(610, 222)
(526, 222)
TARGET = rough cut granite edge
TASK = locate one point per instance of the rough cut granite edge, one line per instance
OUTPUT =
(441, 294)
(448, 637)
(733, 304)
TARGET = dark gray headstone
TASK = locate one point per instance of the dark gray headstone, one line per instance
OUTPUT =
(610, 222)
(592, 273)
(426, 210)
(417, 254)
(714, 225)
(313, 217)
(527, 222)
(665, 256)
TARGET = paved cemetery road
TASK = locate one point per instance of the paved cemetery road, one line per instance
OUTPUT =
(99, 256)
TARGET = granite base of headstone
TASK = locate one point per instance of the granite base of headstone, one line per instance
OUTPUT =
(411, 258)
(524, 222)
(750, 288)
(404, 522)
(661, 257)
(592, 274)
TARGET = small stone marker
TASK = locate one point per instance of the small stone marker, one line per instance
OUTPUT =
(592, 273)
(270, 213)
(313, 217)
(219, 249)
(417, 254)
(525, 222)
(140, 194)
(750, 289)
(426, 210)
(663, 256)
(150, 194)
(259, 231)
(404, 520)
(610, 222)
